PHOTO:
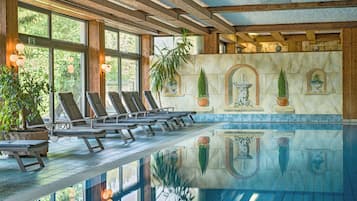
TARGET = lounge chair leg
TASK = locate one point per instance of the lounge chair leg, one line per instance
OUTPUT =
(151, 130)
(39, 159)
(131, 135)
(193, 121)
(182, 122)
(99, 143)
(88, 145)
(19, 162)
(162, 126)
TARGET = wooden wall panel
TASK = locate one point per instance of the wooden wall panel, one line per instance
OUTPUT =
(96, 77)
(231, 48)
(211, 44)
(146, 51)
(8, 29)
(349, 41)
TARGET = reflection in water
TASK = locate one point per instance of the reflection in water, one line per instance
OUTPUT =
(244, 164)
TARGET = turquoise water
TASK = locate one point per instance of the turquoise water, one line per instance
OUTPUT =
(238, 162)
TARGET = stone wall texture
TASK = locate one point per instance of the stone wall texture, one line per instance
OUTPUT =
(267, 65)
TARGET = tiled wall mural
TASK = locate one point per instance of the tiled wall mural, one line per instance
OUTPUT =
(248, 83)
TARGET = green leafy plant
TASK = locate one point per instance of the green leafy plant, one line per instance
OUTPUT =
(202, 84)
(282, 84)
(203, 155)
(167, 63)
(20, 95)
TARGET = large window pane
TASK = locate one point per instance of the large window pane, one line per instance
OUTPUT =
(113, 180)
(129, 75)
(130, 174)
(129, 43)
(68, 77)
(33, 23)
(111, 40)
(111, 81)
(37, 62)
(133, 196)
(75, 192)
(68, 29)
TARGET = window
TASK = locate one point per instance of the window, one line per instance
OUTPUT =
(111, 81)
(169, 42)
(129, 43)
(37, 62)
(113, 180)
(129, 75)
(75, 192)
(130, 174)
(68, 29)
(63, 68)
(122, 52)
(133, 196)
(33, 22)
(68, 77)
(111, 40)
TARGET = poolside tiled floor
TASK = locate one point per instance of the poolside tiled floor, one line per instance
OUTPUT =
(70, 162)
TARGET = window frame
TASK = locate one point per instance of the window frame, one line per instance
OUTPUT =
(52, 44)
(125, 55)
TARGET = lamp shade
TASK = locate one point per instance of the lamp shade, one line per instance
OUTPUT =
(20, 47)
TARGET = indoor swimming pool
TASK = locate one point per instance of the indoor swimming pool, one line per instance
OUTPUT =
(240, 162)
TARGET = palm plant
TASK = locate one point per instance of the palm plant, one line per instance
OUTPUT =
(167, 63)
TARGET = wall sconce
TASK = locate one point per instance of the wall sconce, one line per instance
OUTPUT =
(18, 57)
(106, 68)
(107, 194)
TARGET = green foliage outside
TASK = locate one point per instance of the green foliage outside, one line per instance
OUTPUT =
(202, 84)
(33, 23)
(282, 84)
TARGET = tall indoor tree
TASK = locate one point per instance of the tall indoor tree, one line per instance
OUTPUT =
(167, 63)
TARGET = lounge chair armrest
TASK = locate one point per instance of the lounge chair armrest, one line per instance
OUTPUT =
(136, 114)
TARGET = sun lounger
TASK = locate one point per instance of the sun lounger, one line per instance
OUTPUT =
(82, 133)
(101, 114)
(77, 120)
(130, 105)
(141, 107)
(31, 146)
(151, 101)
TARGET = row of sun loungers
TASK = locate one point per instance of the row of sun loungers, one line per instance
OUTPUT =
(131, 116)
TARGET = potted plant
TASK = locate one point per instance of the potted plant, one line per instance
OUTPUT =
(282, 99)
(20, 102)
(316, 83)
(202, 89)
(167, 63)
(203, 152)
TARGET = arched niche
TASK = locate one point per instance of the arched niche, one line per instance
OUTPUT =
(316, 81)
(233, 75)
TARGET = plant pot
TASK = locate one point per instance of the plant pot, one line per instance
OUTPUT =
(203, 140)
(203, 102)
(282, 101)
(29, 134)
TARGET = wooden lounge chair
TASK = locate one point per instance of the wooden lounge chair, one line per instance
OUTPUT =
(151, 101)
(135, 116)
(101, 114)
(78, 121)
(130, 105)
(31, 146)
(80, 132)
(141, 107)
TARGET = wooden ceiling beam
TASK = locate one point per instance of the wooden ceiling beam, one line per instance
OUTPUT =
(278, 36)
(283, 6)
(295, 38)
(108, 16)
(204, 14)
(134, 16)
(168, 15)
(296, 27)
(246, 37)
(310, 35)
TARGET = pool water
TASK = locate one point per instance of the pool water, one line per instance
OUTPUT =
(237, 162)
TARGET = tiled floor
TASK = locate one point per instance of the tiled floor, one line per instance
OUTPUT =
(70, 162)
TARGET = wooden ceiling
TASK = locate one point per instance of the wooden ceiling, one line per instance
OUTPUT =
(158, 17)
